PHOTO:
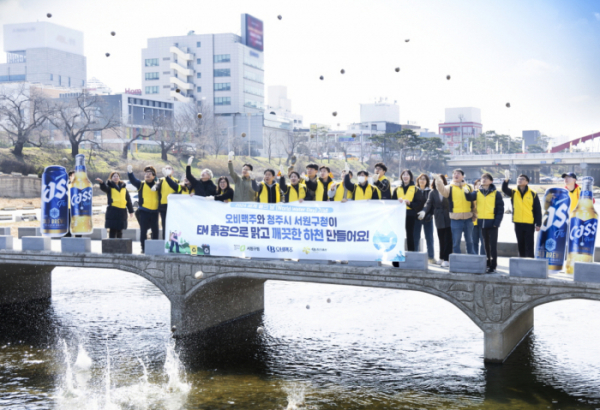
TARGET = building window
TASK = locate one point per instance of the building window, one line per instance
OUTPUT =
(222, 100)
(59, 80)
(151, 62)
(83, 83)
(253, 63)
(198, 75)
(69, 81)
(222, 86)
(151, 76)
(51, 77)
(248, 75)
(253, 104)
(222, 72)
(198, 89)
(151, 90)
(198, 61)
(166, 59)
(222, 58)
(166, 86)
(166, 72)
(198, 43)
(254, 90)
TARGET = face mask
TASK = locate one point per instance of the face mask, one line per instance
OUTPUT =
(166, 171)
(361, 179)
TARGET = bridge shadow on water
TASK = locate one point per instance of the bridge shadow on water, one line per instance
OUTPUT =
(32, 323)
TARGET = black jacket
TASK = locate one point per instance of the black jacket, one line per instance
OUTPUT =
(227, 195)
(439, 208)
(140, 187)
(107, 187)
(418, 202)
(201, 188)
(537, 208)
(498, 207)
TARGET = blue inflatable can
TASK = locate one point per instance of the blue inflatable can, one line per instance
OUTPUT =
(55, 201)
(552, 239)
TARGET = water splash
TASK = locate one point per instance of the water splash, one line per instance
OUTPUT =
(174, 371)
(296, 393)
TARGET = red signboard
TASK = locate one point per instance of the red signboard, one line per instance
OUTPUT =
(254, 33)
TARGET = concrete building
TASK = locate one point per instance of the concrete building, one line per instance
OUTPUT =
(44, 53)
(223, 70)
(531, 137)
(281, 106)
(380, 111)
(459, 125)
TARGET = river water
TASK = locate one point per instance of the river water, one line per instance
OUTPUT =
(104, 343)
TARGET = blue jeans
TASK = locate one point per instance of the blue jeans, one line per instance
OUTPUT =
(428, 227)
(460, 226)
(478, 240)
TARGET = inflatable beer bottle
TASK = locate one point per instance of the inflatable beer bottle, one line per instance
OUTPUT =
(81, 199)
(583, 227)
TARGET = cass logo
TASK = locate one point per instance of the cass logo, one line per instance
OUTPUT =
(54, 191)
(584, 229)
(278, 249)
(81, 196)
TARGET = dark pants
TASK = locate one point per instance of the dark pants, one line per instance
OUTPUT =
(410, 232)
(176, 244)
(490, 241)
(68, 234)
(525, 234)
(115, 233)
(478, 240)
(147, 220)
(428, 228)
(445, 238)
(163, 220)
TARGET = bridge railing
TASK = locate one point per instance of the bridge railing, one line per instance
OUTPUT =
(546, 156)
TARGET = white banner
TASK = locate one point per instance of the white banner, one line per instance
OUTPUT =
(355, 230)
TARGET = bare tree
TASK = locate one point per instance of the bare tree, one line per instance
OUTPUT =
(170, 132)
(22, 112)
(269, 142)
(291, 143)
(200, 121)
(218, 135)
(80, 118)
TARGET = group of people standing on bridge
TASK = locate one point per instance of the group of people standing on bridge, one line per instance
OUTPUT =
(458, 210)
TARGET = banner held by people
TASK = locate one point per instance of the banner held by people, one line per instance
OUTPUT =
(324, 231)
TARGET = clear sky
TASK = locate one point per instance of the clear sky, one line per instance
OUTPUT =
(542, 56)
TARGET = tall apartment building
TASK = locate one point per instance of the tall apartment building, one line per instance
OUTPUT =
(44, 53)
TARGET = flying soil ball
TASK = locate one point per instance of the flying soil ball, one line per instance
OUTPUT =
(334, 113)
(279, 17)
(243, 135)
(328, 300)
(173, 329)
(199, 274)
(260, 330)
(199, 116)
(343, 71)
(321, 78)
(107, 54)
(49, 15)
(112, 33)
(177, 90)
(407, 40)
(397, 69)
(507, 105)
(447, 77)
(312, 136)
(308, 306)
(353, 135)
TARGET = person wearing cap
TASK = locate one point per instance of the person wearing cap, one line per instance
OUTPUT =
(148, 200)
(527, 213)
(573, 188)
(381, 181)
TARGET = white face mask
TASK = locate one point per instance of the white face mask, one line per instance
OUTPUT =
(361, 179)
(167, 171)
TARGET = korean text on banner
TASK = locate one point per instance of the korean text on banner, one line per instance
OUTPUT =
(358, 231)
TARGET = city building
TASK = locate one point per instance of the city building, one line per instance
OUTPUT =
(43, 53)
(531, 137)
(223, 70)
(380, 112)
(281, 106)
(95, 86)
(459, 126)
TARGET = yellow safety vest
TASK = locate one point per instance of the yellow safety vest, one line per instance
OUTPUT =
(296, 195)
(166, 190)
(321, 189)
(339, 193)
(459, 202)
(486, 205)
(523, 206)
(574, 195)
(360, 195)
(264, 194)
(150, 198)
(119, 198)
(408, 196)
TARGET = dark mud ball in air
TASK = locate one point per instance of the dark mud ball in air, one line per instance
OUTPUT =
(178, 90)
(447, 77)
(308, 306)
(397, 69)
(507, 105)
(49, 15)
(407, 40)
(107, 54)
(342, 71)
(334, 113)
(199, 115)
(112, 33)
(173, 329)
(243, 135)
(312, 136)
(279, 17)
(320, 78)
(353, 135)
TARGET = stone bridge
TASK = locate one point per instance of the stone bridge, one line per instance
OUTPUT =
(230, 288)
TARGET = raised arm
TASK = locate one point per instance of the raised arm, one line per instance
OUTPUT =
(134, 181)
(189, 176)
(439, 185)
(506, 189)
(383, 185)
(282, 185)
(348, 184)
(232, 173)
(174, 186)
(256, 187)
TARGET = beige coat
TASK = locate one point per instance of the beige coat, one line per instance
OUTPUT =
(445, 190)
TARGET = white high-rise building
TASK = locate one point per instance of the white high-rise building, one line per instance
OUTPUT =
(44, 53)
(224, 70)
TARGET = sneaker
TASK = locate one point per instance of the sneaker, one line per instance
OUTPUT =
(431, 261)
(445, 264)
(490, 270)
(439, 262)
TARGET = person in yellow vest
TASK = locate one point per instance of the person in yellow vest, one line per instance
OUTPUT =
(573, 188)
(381, 181)
(405, 193)
(268, 191)
(363, 191)
(295, 191)
(119, 203)
(490, 211)
(164, 189)
(148, 200)
(320, 185)
(477, 238)
(527, 213)
(338, 192)
(224, 191)
(461, 210)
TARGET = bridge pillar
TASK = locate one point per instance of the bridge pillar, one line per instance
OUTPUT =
(216, 303)
(25, 283)
(500, 340)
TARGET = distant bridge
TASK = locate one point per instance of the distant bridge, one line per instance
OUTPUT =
(574, 142)
(230, 288)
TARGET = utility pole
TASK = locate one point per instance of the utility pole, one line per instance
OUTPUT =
(461, 117)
